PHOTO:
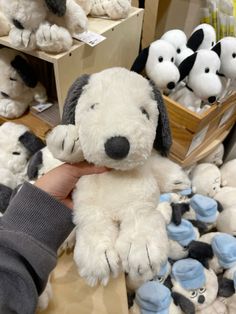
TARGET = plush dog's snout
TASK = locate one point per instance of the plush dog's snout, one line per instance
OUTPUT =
(171, 85)
(212, 99)
(201, 299)
(117, 147)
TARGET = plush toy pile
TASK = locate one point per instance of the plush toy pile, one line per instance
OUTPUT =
(49, 25)
(196, 72)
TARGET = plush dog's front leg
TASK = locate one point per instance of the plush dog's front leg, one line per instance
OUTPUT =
(142, 244)
(64, 144)
(11, 109)
(95, 253)
(24, 39)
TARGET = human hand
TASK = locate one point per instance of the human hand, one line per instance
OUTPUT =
(60, 181)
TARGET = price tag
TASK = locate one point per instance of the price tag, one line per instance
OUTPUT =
(90, 38)
(42, 107)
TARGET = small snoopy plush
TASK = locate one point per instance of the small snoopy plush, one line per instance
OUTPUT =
(202, 37)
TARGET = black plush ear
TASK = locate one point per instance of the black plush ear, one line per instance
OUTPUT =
(220, 207)
(31, 142)
(25, 70)
(186, 66)
(195, 40)
(33, 166)
(73, 95)
(178, 209)
(185, 304)
(226, 287)
(5, 196)
(168, 282)
(217, 48)
(141, 60)
(163, 140)
(201, 251)
(57, 7)
(202, 226)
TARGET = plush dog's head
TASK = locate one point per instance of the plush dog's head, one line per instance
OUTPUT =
(202, 37)
(120, 117)
(29, 14)
(201, 69)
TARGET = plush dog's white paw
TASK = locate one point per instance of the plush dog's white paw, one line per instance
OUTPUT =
(23, 39)
(10, 109)
(64, 144)
(45, 298)
(96, 261)
(118, 9)
(76, 19)
(52, 38)
(68, 245)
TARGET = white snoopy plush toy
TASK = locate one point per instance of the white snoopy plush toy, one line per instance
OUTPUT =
(44, 24)
(158, 60)
(202, 37)
(115, 118)
(19, 85)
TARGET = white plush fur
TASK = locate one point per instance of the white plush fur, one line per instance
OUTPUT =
(215, 157)
(169, 175)
(9, 143)
(45, 297)
(228, 61)
(4, 24)
(209, 291)
(162, 72)
(178, 39)
(228, 173)
(118, 226)
(204, 85)
(8, 178)
(43, 29)
(206, 179)
(19, 95)
(209, 38)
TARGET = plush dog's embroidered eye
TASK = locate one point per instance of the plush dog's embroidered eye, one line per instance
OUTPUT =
(193, 294)
(207, 70)
(178, 50)
(160, 59)
(93, 106)
(15, 153)
(13, 79)
(202, 290)
(4, 95)
(172, 59)
(144, 111)
(234, 55)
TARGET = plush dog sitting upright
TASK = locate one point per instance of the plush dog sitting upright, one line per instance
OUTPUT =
(19, 85)
(114, 119)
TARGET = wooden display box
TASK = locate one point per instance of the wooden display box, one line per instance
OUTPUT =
(192, 133)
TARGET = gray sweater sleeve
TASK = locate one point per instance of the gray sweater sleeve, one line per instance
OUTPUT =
(31, 231)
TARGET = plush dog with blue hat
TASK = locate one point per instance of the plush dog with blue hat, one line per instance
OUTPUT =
(199, 285)
(180, 236)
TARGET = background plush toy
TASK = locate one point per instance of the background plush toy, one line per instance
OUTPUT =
(194, 284)
(121, 139)
(46, 24)
(158, 60)
(178, 39)
(19, 85)
(228, 173)
(114, 9)
(215, 157)
(202, 82)
(202, 37)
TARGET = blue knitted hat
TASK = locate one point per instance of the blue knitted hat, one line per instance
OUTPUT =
(186, 192)
(204, 207)
(189, 273)
(153, 298)
(183, 233)
(165, 197)
(224, 247)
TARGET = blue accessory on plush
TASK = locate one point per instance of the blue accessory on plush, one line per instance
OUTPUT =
(164, 269)
(204, 207)
(183, 233)
(153, 297)
(224, 247)
(165, 197)
(189, 273)
(185, 192)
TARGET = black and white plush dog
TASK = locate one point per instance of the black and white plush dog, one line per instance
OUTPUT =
(115, 118)
(19, 84)
(202, 37)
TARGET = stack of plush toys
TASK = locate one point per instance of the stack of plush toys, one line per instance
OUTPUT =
(170, 231)
(196, 71)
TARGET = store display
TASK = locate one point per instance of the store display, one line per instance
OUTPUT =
(158, 60)
(105, 143)
(202, 37)
(47, 25)
(19, 85)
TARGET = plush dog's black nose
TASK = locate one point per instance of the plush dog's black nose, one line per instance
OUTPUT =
(201, 299)
(212, 99)
(117, 147)
(171, 85)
